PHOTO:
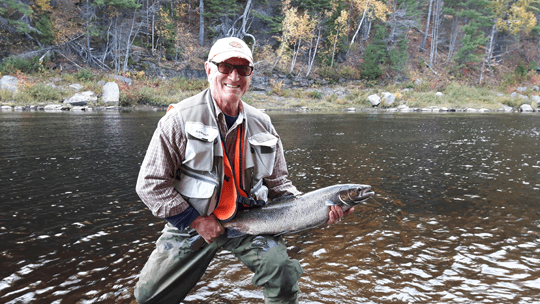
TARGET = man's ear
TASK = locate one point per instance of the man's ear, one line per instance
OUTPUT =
(207, 68)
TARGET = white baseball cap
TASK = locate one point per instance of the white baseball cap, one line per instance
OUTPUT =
(230, 47)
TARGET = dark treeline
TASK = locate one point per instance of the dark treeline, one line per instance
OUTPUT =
(366, 39)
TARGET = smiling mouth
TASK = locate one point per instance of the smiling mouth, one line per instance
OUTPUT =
(231, 86)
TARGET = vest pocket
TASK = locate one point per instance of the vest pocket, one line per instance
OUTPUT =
(200, 191)
(199, 153)
(263, 153)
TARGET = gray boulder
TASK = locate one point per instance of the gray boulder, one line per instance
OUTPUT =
(53, 107)
(111, 93)
(439, 94)
(9, 83)
(506, 109)
(521, 89)
(374, 99)
(388, 98)
(6, 108)
(404, 108)
(122, 78)
(76, 86)
(525, 108)
(81, 99)
(517, 95)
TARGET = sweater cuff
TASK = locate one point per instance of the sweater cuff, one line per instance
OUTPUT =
(184, 219)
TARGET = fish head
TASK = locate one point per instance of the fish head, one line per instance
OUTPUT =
(353, 195)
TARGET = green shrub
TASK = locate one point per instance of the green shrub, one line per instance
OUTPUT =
(12, 64)
(520, 70)
(84, 75)
(336, 73)
(332, 98)
(314, 95)
(512, 102)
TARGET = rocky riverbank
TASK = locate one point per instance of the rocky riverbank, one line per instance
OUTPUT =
(298, 97)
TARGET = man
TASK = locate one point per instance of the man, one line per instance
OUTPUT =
(210, 155)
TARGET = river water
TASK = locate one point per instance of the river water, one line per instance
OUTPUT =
(456, 218)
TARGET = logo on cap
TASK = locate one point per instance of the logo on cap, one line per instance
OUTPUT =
(235, 44)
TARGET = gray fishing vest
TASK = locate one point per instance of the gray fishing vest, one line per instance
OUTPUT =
(201, 173)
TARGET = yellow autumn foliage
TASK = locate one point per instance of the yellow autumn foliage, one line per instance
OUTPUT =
(295, 26)
(513, 16)
(374, 9)
(41, 6)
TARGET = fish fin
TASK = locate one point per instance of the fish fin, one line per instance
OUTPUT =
(330, 203)
(231, 233)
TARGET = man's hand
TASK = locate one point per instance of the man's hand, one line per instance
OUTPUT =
(208, 227)
(336, 213)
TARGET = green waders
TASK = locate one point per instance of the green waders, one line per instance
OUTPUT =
(265, 255)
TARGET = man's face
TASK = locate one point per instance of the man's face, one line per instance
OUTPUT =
(227, 88)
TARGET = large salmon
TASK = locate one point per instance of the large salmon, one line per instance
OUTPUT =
(298, 213)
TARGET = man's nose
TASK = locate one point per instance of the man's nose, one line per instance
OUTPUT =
(234, 75)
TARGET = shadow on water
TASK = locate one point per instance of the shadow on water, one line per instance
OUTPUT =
(455, 219)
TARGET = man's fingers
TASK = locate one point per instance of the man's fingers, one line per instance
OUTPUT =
(336, 213)
(348, 211)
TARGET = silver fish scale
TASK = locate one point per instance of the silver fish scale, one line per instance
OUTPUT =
(290, 215)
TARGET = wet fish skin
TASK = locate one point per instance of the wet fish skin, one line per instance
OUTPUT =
(298, 213)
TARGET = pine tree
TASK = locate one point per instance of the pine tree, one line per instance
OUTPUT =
(479, 15)
(374, 56)
(44, 26)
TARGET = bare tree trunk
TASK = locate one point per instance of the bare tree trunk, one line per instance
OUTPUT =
(349, 22)
(334, 49)
(275, 63)
(423, 44)
(87, 26)
(489, 52)
(130, 41)
(394, 25)
(435, 32)
(359, 26)
(310, 66)
(244, 22)
(453, 38)
(116, 45)
(296, 50)
(153, 28)
(201, 22)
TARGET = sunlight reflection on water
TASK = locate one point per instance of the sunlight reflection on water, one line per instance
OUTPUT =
(455, 219)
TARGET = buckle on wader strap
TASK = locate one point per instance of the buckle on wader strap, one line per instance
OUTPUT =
(249, 202)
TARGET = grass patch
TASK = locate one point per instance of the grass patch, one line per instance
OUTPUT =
(6, 96)
(36, 93)
(457, 96)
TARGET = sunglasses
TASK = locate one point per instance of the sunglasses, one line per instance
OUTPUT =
(225, 68)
